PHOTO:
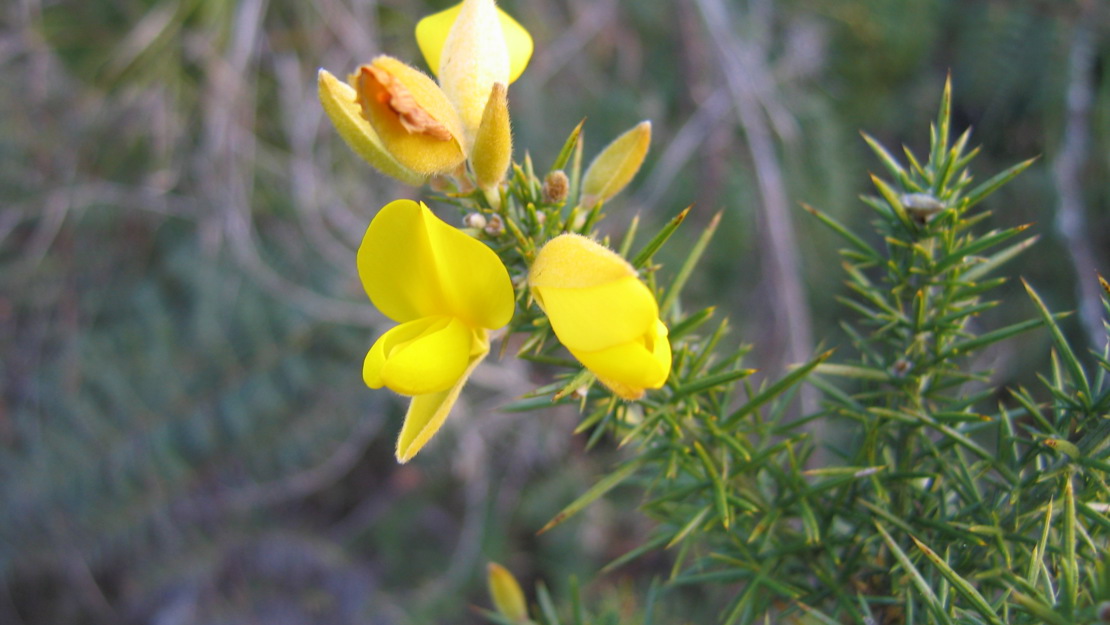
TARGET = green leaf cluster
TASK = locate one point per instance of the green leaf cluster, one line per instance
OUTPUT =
(919, 493)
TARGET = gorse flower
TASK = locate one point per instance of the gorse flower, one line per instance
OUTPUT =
(410, 127)
(446, 290)
(602, 313)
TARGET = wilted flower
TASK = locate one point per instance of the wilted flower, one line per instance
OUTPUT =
(602, 313)
(446, 290)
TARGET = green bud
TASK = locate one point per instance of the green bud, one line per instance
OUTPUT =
(614, 167)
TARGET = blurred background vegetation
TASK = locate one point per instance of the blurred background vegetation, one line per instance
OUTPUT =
(184, 434)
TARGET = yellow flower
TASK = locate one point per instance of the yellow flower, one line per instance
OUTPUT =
(446, 290)
(602, 313)
(471, 47)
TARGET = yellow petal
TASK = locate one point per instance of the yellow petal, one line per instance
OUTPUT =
(414, 265)
(419, 357)
(414, 119)
(613, 168)
(574, 261)
(431, 34)
(427, 413)
(507, 596)
(598, 317)
(591, 295)
(493, 146)
(631, 367)
(341, 104)
(474, 58)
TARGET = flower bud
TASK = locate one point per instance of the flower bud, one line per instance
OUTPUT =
(613, 168)
(921, 206)
(493, 146)
(474, 220)
(506, 594)
(555, 187)
(412, 116)
(604, 315)
(341, 104)
(495, 227)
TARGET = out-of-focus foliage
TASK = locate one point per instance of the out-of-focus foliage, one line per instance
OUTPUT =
(183, 434)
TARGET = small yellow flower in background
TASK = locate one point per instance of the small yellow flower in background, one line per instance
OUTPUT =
(602, 313)
(506, 594)
(614, 167)
(446, 290)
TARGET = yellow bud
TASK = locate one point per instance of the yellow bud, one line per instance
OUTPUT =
(506, 594)
(614, 167)
(474, 58)
(341, 104)
(413, 118)
(493, 146)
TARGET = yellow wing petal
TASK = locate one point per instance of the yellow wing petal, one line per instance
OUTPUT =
(631, 367)
(598, 317)
(419, 357)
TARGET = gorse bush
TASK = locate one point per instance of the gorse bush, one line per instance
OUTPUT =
(930, 497)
